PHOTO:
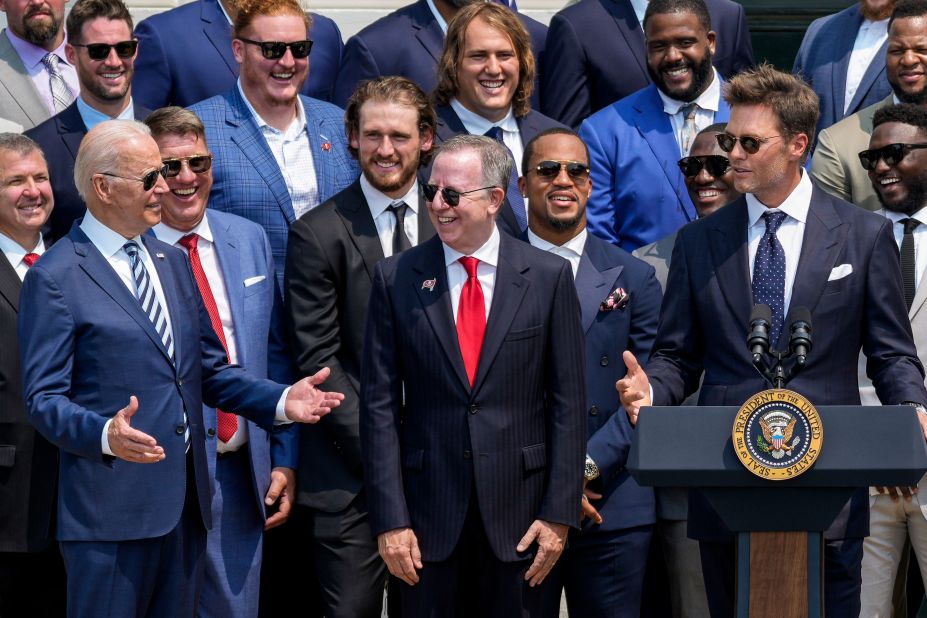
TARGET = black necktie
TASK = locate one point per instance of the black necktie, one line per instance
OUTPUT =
(908, 261)
(400, 240)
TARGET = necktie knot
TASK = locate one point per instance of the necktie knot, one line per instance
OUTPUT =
(495, 133)
(189, 241)
(910, 225)
(131, 249)
(399, 210)
(30, 258)
(688, 111)
(470, 264)
(773, 220)
(50, 60)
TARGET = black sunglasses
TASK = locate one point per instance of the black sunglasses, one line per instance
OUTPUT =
(199, 164)
(100, 51)
(750, 143)
(715, 165)
(273, 50)
(548, 170)
(891, 154)
(451, 196)
(148, 180)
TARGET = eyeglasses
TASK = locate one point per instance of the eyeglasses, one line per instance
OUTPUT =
(100, 51)
(750, 143)
(274, 50)
(198, 164)
(548, 170)
(891, 154)
(715, 165)
(148, 180)
(451, 197)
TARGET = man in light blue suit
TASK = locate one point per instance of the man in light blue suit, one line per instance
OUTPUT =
(246, 463)
(277, 154)
(843, 58)
(638, 192)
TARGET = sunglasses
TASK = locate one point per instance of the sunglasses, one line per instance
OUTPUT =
(750, 143)
(548, 170)
(100, 51)
(148, 180)
(198, 164)
(274, 50)
(891, 154)
(451, 197)
(715, 165)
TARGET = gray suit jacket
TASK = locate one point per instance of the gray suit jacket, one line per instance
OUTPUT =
(835, 165)
(19, 100)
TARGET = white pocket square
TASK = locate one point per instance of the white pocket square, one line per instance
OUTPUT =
(839, 272)
(252, 280)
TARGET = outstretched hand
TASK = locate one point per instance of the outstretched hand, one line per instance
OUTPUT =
(131, 444)
(307, 404)
(633, 388)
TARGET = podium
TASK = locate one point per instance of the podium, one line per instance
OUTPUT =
(779, 524)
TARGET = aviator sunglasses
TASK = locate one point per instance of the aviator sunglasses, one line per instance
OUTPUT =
(100, 51)
(148, 180)
(715, 165)
(274, 50)
(199, 164)
(548, 170)
(451, 197)
(891, 154)
(750, 143)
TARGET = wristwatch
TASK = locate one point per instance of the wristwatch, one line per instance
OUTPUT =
(591, 471)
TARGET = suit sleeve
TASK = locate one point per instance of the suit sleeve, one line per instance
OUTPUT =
(600, 209)
(565, 89)
(827, 169)
(357, 64)
(151, 87)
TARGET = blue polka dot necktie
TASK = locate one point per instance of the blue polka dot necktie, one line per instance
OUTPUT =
(769, 273)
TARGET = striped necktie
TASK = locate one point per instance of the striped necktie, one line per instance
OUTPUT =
(60, 91)
(145, 293)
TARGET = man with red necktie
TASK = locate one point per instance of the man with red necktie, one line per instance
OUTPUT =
(472, 401)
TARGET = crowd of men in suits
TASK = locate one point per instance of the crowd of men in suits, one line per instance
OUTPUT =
(224, 220)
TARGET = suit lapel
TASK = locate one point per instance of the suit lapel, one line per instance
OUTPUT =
(873, 71)
(10, 284)
(844, 47)
(449, 124)
(230, 263)
(354, 211)
(425, 228)
(320, 142)
(429, 33)
(527, 129)
(824, 234)
(631, 31)
(217, 30)
(919, 297)
(592, 281)
(72, 129)
(14, 76)
(729, 253)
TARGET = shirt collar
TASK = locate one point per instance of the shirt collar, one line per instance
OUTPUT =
(92, 117)
(378, 201)
(224, 12)
(109, 242)
(438, 18)
(710, 99)
(488, 253)
(795, 205)
(15, 252)
(920, 215)
(575, 245)
(172, 236)
(477, 125)
(32, 54)
(297, 126)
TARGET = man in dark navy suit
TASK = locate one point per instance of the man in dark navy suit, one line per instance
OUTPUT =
(472, 402)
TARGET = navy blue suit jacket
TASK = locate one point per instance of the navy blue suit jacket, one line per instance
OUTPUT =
(87, 346)
(517, 436)
(60, 137)
(705, 316)
(185, 56)
(409, 42)
(823, 59)
(596, 55)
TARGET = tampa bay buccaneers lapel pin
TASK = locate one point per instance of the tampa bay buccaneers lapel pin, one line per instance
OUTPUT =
(429, 284)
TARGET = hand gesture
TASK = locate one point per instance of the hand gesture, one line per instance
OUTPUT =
(132, 444)
(551, 539)
(587, 510)
(282, 491)
(399, 550)
(633, 388)
(307, 404)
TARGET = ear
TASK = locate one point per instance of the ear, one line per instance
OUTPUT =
(70, 52)
(799, 145)
(238, 50)
(496, 197)
(711, 41)
(102, 187)
(352, 139)
(428, 138)
(522, 185)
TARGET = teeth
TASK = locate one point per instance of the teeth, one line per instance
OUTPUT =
(445, 220)
(184, 192)
(492, 84)
(678, 72)
(709, 193)
(111, 75)
(561, 198)
(387, 164)
(282, 75)
(888, 181)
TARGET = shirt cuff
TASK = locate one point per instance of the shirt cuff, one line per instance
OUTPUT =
(651, 393)
(104, 440)
(280, 417)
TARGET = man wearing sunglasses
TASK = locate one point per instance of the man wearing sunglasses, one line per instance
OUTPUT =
(786, 244)
(102, 50)
(472, 402)
(638, 194)
(119, 354)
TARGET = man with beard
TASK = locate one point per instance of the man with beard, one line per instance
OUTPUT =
(638, 193)
(102, 50)
(331, 256)
(602, 569)
(36, 80)
(835, 165)
(842, 57)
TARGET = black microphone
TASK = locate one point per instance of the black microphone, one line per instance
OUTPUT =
(800, 339)
(758, 337)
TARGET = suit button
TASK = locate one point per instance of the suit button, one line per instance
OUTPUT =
(179, 382)
(179, 429)
(467, 455)
(603, 361)
(473, 408)
(211, 432)
(594, 411)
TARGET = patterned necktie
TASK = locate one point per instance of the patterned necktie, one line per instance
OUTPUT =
(145, 293)
(512, 193)
(30, 258)
(908, 261)
(401, 242)
(471, 319)
(227, 422)
(689, 130)
(769, 273)
(61, 93)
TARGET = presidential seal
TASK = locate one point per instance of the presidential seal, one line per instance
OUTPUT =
(777, 434)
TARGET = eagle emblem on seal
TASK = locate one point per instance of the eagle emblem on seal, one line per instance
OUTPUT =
(777, 439)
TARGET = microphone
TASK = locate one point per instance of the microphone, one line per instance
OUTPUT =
(800, 339)
(758, 337)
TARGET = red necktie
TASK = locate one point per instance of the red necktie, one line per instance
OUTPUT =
(30, 258)
(471, 318)
(228, 423)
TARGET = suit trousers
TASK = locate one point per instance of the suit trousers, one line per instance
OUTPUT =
(684, 569)
(33, 583)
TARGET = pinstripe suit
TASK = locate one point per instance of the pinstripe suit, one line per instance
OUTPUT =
(510, 448)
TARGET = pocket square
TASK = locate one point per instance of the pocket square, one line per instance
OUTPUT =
(616, 300)
(839, 272)
(252, 280)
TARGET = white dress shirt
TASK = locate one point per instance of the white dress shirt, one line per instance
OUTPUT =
(869, 39)
(477, 125)
(640, 8)
(708, 103)
(488, 255)
(15, 253)
(920, 239)
(571, 250)
(437, 15)
(790, 233)
(378, 202)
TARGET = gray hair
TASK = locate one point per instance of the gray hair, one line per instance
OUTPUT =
(495, 159)
(99, 151)
(19, 144)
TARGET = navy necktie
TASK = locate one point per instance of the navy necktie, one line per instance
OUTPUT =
(769, 273)
(512, 192)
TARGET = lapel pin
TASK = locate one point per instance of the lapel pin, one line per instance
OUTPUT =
(429, 284)
(326, 144)
(159, 255)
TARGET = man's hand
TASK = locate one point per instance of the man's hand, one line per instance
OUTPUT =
(633, 388)
(587, 509)
(282, 490)
(550, 538)
(132, 444)
(898, 492)
(922, 419)
(399, 550)
(307, 404)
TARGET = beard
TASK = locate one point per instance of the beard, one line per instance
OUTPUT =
(876, 13)
(388, 186)
(914, 201)
(40, 32)
(564, 225)
(701, 77)
(915, 98)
